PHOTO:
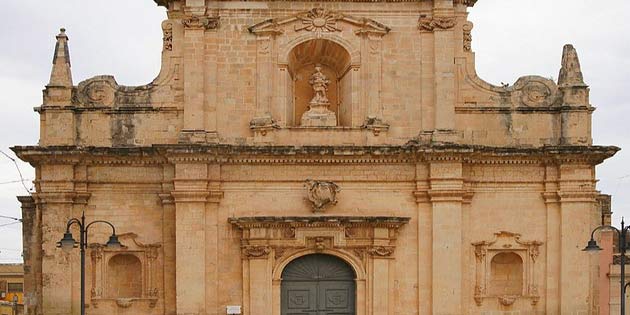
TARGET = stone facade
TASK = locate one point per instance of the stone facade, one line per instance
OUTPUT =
(445, 194)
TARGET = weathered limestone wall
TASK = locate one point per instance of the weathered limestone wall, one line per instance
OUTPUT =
(225, 66)
(454, 192)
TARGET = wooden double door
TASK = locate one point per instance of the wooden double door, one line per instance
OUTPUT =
(318, 285)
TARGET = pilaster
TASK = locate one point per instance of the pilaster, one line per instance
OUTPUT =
(199, 110)
(168, 241)
(425, 239)
(31, 242)
(196, 239)
(577, 204)
(553, 256)
(447, 195)
(444, 76)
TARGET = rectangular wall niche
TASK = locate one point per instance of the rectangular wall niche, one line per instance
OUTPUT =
(506, 269)
(125, 277)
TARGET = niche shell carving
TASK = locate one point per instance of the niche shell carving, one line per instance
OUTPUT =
(321, 194)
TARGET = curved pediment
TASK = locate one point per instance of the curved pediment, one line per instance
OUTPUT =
(319, 20)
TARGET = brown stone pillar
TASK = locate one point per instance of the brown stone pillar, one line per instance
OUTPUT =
(577, 207)
(553, 256)
(446, 195)
(211, 81)
(32, 251)
(195, 25)
(190, 196)
(168, 245)
(444, 76)
(425, 239)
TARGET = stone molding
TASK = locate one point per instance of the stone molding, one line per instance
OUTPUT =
(319, 21)
(233, 154)
(277, 237)
(200, 196)
(506, 242)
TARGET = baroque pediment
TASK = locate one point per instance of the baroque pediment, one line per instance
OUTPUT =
(318, 20)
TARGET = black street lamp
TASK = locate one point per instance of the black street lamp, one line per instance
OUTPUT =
(623, 235)
(67, 243)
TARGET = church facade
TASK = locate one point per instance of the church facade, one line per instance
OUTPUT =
(316, 157)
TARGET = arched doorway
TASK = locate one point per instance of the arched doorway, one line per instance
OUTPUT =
(318, 284)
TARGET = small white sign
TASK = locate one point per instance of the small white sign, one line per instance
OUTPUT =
(233, 309)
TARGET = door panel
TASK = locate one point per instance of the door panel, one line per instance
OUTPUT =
(336, 298)
(318, 285)
(299, 298)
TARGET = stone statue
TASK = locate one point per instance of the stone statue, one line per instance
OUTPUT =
(318, 114)
(320, 82)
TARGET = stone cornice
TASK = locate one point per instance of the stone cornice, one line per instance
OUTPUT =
(234, 154)
(318, 221)
(470, 3)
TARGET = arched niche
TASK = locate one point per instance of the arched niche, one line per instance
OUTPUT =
(124, 276)
(506, 274)
(335, 62)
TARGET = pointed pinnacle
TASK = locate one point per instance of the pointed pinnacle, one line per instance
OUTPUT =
(61, 75)
(571, 71)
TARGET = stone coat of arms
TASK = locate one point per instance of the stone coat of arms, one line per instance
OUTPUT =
(321, 194)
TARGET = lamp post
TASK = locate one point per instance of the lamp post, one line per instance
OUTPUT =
(623, 235)
(67, 243)
(15, 304)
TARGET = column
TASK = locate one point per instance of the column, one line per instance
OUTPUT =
(190, 197)
(446, 197)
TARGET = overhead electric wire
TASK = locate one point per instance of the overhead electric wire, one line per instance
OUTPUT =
(10, 218)
(22, 180)
(15, 181)
(8, 224)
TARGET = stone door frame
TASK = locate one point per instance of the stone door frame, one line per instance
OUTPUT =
(269, 244)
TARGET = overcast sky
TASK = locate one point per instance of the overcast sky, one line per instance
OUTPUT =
(512, 38)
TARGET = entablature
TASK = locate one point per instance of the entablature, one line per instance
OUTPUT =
(234, 154)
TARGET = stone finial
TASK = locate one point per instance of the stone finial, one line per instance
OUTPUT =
(571, 72)
(61, 75)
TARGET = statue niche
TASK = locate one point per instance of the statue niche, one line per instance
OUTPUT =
(321, 85)
(319, 114)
